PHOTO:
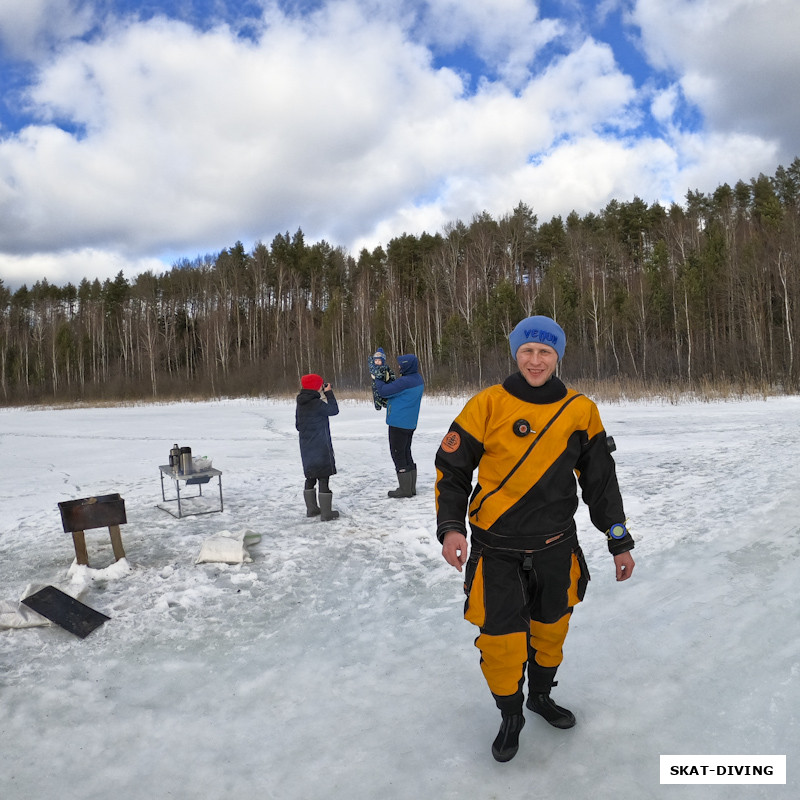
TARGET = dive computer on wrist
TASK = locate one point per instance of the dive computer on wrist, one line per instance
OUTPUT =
(617, 531)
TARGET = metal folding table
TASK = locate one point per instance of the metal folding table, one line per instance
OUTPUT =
(198, 479)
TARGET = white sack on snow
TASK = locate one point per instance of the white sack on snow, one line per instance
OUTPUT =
(227, 547)
(15, 614)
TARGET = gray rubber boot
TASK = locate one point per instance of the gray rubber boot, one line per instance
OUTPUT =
(406, 488)
(325, 503)
(413, 480)
(310, 496)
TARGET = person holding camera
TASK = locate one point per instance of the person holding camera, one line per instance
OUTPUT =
(316, 448)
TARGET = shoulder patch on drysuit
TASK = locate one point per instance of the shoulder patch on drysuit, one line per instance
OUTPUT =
(451, 442)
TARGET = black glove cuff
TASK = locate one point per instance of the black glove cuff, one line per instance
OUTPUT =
(450, 525)
(617, 546)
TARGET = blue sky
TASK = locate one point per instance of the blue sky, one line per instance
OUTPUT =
(133, 134)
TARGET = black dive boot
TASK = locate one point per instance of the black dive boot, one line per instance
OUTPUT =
(542, 704)
(406, 481)
(506, 743)
(540, 681)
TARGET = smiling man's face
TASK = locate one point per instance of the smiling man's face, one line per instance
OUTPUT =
(537, 362)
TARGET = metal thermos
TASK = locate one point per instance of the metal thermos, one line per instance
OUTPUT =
(186, 460)
(175, 458)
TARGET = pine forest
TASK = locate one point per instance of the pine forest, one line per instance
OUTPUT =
(693, 296)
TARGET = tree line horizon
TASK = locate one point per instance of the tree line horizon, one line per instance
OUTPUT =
(687, 296)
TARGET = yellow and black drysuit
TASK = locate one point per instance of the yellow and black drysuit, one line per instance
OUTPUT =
(526, 570)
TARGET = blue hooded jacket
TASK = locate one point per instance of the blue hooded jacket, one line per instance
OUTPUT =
(404, 394)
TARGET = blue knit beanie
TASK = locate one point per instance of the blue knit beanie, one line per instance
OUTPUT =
(542, 330)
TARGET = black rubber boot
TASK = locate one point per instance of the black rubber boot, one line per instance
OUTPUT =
(310, 496)
(542, 704)
(406, 481)
(506, 743)
(413, 480)
(325, 503)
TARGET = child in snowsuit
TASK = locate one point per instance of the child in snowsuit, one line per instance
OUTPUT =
(403, 398)
(316, 449)
(381, 372)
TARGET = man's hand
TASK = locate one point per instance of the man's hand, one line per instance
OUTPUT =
(454, 549)
(624, 565)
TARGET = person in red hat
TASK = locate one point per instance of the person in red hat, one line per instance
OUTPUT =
(316, 448)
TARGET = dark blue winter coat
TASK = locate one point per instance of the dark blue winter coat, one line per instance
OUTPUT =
(404, 394)
(311, 420)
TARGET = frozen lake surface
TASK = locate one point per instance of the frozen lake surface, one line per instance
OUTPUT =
(337, 664)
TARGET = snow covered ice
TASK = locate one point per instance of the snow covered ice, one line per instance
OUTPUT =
(337, 663)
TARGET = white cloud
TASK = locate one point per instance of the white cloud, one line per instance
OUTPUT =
(737, 60)
(664, 104)
(339, 123)
(605, 8)
(710, 159)
(506, 34)
(70, 266)
(191, 133)
(582, 174)
(29, 27)
(189, 136)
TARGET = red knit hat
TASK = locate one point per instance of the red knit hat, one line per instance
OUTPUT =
(311, 382)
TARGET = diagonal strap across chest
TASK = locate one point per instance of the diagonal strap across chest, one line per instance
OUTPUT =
(525, 455)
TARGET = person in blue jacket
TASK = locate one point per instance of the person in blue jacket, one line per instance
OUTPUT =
(316, 449)
(403, 398)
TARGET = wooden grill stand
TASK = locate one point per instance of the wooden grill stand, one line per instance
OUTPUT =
(106, 510)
